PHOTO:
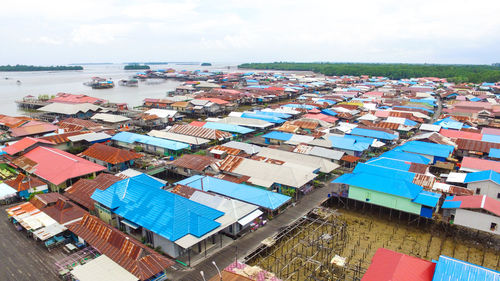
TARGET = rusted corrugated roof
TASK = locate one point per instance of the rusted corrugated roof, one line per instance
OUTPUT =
(63, 138)
(228, 150)
(63, 211)
(350, 158)
(230, 163)
(288, 128)
(72, 124)
(200, 132)
(20, 183)
(25, 164)
(424, 180)
(110, 154)
(475, 145)
(234, 179)
(183, 190)
(306, 124)
(194, 162)
(418, 168)
(81, 191)
(121, 248)
(387, 125)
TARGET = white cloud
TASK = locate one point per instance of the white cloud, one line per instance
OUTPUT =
(261, 30)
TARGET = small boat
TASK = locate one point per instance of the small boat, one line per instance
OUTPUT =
(18, 82)
(99, 83)
(129, 83)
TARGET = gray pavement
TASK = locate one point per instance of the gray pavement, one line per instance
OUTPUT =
(245, 245)
(22, 258)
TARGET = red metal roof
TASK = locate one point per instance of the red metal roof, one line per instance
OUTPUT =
(479, 202)
(81, 191)
(388, 265)
(74, 99)
(480, 164)
(460, 134)
(322, 117)
(62, 138)
(20, 184)
(200, 132)
(33, 128)
(121, 248)
(198, 123)
(215, 100)
(57, 166)
(23, 144)
(110, 154)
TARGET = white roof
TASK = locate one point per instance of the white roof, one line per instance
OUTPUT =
(319, 152)
(90, 137)
(49, 231)
(287, 110)
(345, 127)
(369, 117)
(109, 118)
(68, 108)
(310, 161)
(37, 221)
(6, 191)
(178, 137)
(430, 127)
(250, 217)
(298, 139)
(129, 173)
(233, 211)
(265, 174)
(396, 120)
(248, 122)
(102, 268)
(456, 177)
(439, 186)
(247, 147)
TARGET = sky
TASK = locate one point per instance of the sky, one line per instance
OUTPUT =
(52, 32)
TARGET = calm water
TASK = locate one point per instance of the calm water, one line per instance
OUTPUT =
(53, 82)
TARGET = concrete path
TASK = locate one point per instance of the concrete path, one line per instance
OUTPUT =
(245, 245)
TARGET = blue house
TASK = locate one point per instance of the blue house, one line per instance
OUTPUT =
(406, 156)
(448, 269)
(149, 144)
(276, 137)
(375, 134)
(139, 206)
(351, 146)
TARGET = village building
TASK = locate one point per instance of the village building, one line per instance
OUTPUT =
(191, 164)
(149, 144)
(115, 159)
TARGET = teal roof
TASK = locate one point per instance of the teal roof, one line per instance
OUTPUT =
(427, 198)
(228, 128)
(348, 143)
(494, 153)
(275, 135)
(405, 156)
(141, 200)
(390, 163)
(128, 137)
(253, 195)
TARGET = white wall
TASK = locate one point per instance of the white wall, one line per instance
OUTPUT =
(487, 187)
(476, 220)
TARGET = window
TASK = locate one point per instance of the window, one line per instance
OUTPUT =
(478, 190)
(498, 195)
(493, 226)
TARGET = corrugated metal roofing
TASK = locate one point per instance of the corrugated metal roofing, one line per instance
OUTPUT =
(448, 269)
(475, 145)
(194, 162)
(278, 136)
(373, 134)
(427, 198)
(128, 137)
(81, 191)
(110, 154)
(494, 153)
(471, 164)
(410, 157)
(426, 148)
(348, 143)
(141, 200)
(23, 144)
(228, 128)
(264, 117)
(491, 138)
(200, 132)
(121, 248)
(253, 195)
(482, 176)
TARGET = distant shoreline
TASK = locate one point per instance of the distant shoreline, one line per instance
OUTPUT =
(24, 68)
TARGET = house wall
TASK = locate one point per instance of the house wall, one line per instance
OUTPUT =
(487, 188)
(167, 246)
(476, 220)
(104, 214)
(384, 199)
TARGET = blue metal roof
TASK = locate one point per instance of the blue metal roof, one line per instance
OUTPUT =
(144, 203)
(360, 139)
(381, 183)
(267, 118)
(491, 138)
(227, 128)
(275, 135)
(405, 156)
(426, 101)
(494, 153)
(385, 171)
(448, 269)
(447, 204)
(427, 198)
(128, 137)
(426, 148)
(305, 106)
(253, 195)
(329, 112)
(390, 163)
(449, 123)
(348, 143)
(483, 176)
(274, 114)
(373, 134)
(409, 122)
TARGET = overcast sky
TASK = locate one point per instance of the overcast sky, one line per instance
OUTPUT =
(424, 31)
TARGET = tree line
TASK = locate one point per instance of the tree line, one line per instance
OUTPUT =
(22, 67)
(454, 73)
